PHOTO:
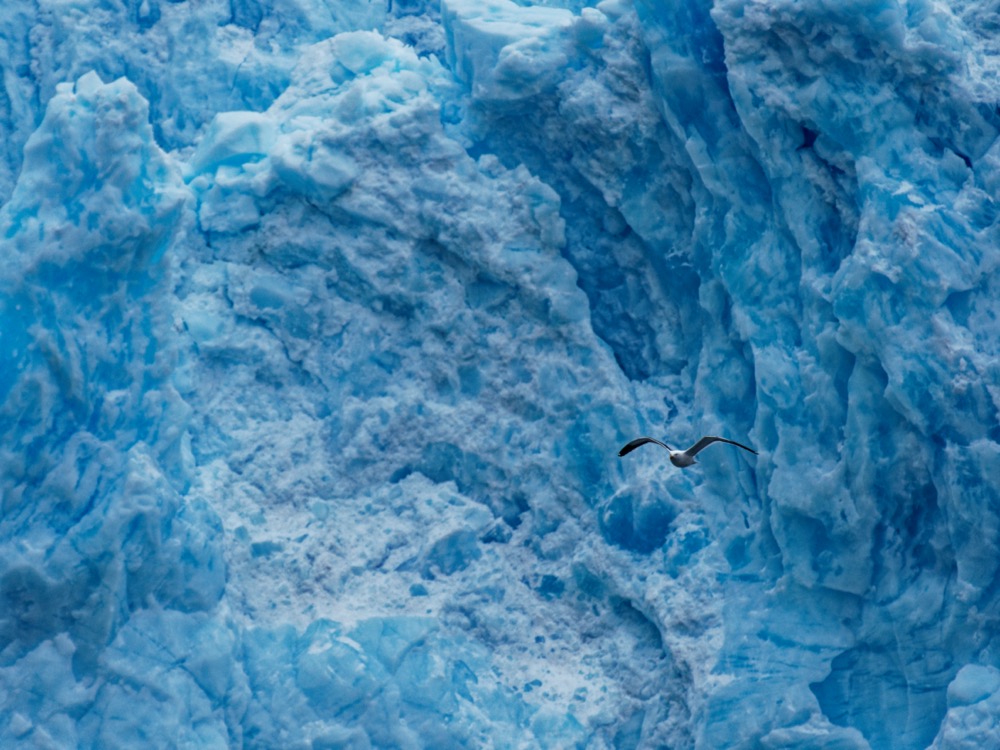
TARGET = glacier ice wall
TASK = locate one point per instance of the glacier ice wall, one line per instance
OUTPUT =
(323, 322)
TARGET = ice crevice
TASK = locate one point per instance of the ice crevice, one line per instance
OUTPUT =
(610, 241)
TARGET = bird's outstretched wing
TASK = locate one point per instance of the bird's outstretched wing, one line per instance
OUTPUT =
(631, 446)
(708, 440)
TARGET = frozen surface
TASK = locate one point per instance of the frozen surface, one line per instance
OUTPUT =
(321, 324)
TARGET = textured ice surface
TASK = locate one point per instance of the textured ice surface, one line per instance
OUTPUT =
(321, 325)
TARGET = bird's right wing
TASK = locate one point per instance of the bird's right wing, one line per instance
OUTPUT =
(631, 446)
(708, 440)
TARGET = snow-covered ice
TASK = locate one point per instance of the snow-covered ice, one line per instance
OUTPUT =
(322, 323)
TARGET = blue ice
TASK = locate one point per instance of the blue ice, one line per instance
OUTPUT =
(322, 325)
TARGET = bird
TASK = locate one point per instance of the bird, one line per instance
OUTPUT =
(682, 459)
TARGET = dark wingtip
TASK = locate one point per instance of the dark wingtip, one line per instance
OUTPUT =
(633, 444)
(628, 448)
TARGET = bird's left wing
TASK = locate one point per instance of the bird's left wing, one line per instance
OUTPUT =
(631, 446)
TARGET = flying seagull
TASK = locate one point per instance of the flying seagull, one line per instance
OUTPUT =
(681, 459)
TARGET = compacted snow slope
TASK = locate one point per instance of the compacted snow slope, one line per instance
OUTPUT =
(321, 324)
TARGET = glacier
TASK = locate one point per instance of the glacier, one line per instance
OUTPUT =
(323, 322)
